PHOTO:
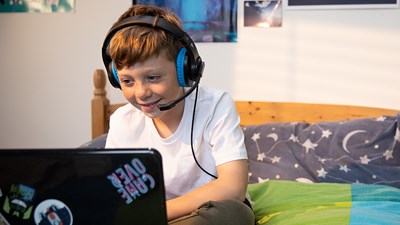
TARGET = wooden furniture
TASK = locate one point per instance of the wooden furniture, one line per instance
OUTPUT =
(251, 112)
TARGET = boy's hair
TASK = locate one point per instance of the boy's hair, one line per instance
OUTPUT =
(136, 44)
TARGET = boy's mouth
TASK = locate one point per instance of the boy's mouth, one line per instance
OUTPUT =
(151, 104)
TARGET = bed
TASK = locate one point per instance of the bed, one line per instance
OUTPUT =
(308, 163)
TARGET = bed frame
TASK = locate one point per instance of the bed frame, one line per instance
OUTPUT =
(251, 112)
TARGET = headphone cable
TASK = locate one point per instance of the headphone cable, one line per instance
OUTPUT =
(191, 136)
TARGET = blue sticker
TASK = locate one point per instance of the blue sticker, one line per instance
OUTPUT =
(53, 211)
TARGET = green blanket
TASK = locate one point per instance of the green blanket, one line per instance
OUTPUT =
(289, 202)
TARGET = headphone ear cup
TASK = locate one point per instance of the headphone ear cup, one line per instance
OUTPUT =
(113, 76)
(181, 61)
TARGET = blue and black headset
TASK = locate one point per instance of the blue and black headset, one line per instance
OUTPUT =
(189, 65)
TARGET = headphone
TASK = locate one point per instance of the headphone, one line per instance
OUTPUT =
(189, 65)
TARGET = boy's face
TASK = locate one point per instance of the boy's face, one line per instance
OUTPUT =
(150, 83)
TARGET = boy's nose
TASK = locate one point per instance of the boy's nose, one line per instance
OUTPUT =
(142, 91)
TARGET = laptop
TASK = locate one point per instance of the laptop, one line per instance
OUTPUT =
(81, 187)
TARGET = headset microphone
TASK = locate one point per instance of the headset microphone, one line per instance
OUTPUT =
(170, 105)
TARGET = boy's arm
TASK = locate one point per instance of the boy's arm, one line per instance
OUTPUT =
(231, 184)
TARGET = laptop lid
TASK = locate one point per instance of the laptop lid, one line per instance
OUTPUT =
(81, 187)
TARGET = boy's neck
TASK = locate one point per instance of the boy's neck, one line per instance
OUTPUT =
(168, 123)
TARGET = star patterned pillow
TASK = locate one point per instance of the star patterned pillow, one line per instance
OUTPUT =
(355, 151)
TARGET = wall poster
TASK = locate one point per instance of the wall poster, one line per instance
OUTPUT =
(264, 14)
(341, 4)
(205, 20)
(37, 6)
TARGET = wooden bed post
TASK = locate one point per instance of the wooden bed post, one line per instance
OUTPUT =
(99, 104)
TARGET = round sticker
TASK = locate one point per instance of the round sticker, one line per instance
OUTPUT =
(52, 211)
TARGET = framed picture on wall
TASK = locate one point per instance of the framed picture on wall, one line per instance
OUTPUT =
(37, 6)
(341, 4)
(205, 20)
(264, 14)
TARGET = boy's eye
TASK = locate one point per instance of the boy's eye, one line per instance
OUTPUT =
(126, 81)
(153, 77)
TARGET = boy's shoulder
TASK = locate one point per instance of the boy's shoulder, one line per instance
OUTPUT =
(212, 92)
(212, 98)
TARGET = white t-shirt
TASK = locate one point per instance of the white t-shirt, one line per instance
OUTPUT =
(217, 139)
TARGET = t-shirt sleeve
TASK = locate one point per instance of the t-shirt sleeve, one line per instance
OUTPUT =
(225, 134)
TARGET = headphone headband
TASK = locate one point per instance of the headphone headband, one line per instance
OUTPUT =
(193, 64)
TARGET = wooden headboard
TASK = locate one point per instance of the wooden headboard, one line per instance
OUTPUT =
(251, 112)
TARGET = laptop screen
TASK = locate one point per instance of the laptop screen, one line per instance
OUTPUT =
(76, 186)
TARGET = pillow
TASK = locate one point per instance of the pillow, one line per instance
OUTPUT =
(289, 202)
(356, 151)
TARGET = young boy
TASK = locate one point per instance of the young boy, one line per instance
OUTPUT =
(155, 63)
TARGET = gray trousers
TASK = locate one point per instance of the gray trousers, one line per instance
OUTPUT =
(227, 212)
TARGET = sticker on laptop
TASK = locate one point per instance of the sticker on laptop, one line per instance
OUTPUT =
(52, 211)
(18, 202)
(132, 180)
